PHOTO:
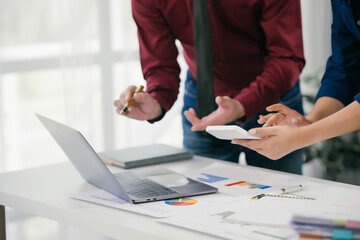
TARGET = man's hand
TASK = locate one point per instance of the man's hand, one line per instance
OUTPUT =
(229, 110)
(284, 116)
(145, 107)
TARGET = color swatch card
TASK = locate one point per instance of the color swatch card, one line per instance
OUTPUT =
(244, 182)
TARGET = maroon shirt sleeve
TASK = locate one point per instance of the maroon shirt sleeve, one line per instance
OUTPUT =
(158, 53)
(281, 22)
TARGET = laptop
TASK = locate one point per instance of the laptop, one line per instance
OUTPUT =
(134, 186)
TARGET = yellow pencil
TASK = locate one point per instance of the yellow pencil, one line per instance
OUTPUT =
(280, 192)
(131, 101)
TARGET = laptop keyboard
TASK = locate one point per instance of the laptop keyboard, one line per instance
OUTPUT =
(142, 187)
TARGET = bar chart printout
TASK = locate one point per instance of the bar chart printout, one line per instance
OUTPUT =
(208, 178)
(248, 184)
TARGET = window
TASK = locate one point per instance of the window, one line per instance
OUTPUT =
(69, 60)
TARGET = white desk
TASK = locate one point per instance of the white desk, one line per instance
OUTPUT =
(47, 191)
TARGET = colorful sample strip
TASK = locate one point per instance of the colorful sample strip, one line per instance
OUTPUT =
(211, 178)
(342, 234)
(339, 223)
(318, 232)
(249, 184)
(306, 237)
(327, 228)
(353, 224)
(178, 202)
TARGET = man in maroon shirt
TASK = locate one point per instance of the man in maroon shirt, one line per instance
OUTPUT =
(257, 59)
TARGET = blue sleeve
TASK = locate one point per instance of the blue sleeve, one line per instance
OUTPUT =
(357, 97)
(342, 76)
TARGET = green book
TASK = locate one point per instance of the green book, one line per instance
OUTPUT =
(144, 155)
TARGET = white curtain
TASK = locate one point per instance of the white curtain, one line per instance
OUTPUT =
(47, 67)
(69, 60)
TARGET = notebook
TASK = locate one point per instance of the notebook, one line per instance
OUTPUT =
(144, 155)
(143, 186)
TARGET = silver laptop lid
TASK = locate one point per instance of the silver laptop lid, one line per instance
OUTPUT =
(83, 156)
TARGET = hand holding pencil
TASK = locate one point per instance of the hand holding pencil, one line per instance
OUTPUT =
(136, 104)
(130, 102)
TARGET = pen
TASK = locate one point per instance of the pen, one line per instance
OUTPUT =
(280, 192)
(130, 102)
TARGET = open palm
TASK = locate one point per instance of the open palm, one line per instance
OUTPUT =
(228, 110)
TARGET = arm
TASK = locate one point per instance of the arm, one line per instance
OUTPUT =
(281, 140)
(344, 121)
(324, 107)
(281, 23)
(158, 53)
(338, 85)
(339, 82)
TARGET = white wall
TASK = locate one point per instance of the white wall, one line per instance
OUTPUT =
(316, 24)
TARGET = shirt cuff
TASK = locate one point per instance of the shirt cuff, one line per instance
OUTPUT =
(163, 112)
(247, 100)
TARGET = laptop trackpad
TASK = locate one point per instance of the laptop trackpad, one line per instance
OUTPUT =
(170, 180)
